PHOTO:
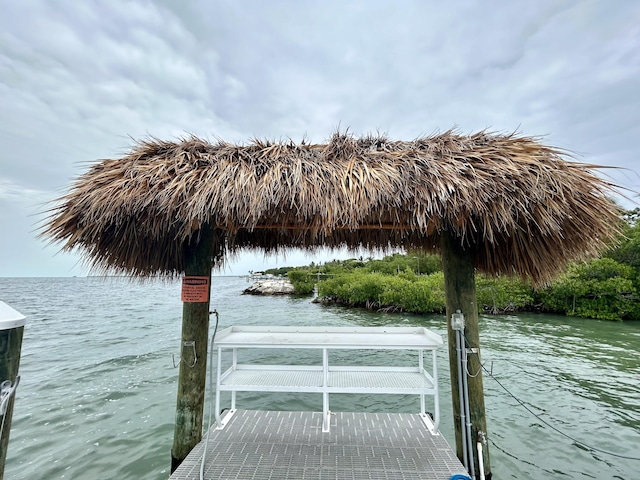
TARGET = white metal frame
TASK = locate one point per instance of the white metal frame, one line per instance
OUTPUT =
(324, 378)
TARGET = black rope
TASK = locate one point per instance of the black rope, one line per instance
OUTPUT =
(575, 440)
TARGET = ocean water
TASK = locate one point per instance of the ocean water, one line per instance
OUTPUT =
(97, 393)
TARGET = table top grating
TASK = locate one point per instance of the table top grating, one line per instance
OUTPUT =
(328, 337)
(264, 445)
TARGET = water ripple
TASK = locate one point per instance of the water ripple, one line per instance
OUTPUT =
(97, 395)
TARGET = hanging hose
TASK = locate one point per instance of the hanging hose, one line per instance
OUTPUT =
(211, 392)
(7, 390)
(482, 439)
(480, 460)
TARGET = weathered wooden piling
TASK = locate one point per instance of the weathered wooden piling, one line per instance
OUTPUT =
(193, 346)
(460, 292)
(11, 332)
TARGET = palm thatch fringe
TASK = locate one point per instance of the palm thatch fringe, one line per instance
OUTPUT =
(520, 206)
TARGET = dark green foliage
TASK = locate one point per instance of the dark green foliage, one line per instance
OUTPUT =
(339, 266)
(418, 262)
(301, 280)
(279, 272)
(414, 294)
(405, 292)
(628, 251)
(606, 288)
(355, 288)
(502, 294)
(409, 292)
(601, 288)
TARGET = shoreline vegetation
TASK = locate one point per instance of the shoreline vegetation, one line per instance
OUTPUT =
(605, 288)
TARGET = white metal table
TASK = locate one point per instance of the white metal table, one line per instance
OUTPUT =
(325, 378)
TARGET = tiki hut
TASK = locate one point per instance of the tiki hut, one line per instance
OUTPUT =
(502, 204)
(516, 204)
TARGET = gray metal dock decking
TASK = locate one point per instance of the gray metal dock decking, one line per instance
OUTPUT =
(264, 445)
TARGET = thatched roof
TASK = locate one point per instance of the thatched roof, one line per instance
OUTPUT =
(520, 206)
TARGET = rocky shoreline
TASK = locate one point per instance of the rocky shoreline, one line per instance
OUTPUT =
(270, 286)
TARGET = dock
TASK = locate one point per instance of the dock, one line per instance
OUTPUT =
(268, 445)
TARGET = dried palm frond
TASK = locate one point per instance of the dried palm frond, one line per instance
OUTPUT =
(521, 207)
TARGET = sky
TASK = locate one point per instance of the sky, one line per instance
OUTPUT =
(82, 81)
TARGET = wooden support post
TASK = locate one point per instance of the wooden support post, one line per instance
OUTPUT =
(193, 352)
(460, 292)
(11, 332)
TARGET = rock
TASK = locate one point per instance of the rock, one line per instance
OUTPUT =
(275, 286)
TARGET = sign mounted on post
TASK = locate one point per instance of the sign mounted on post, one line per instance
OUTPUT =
(195, 289)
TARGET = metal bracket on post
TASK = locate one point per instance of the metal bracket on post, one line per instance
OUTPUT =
(7, 390)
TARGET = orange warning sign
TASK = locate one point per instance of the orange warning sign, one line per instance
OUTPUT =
(195, 289)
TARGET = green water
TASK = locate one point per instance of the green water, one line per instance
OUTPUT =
(97, 395)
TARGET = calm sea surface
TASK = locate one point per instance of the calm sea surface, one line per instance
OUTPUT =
(97, 394)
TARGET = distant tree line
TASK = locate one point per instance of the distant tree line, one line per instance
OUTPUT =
(606, 288)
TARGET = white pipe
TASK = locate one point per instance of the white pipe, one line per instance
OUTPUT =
(434, 362)
(480, 461)
(211, 392)
(465, 386)
(463, 431)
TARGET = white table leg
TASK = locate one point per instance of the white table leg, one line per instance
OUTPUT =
(325, 393)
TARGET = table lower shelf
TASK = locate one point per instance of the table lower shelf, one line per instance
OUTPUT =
(339, 380)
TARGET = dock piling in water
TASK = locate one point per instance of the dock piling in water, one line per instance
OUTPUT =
(460, 293)
(193, 350)
(11, 332)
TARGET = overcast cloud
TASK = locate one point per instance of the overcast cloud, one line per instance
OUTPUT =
(80, 80)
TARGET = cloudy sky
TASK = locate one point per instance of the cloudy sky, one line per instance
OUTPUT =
(80, 80)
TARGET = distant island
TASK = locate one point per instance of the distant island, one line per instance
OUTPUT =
(605, 288)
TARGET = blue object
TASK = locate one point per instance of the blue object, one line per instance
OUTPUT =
(459, 476)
